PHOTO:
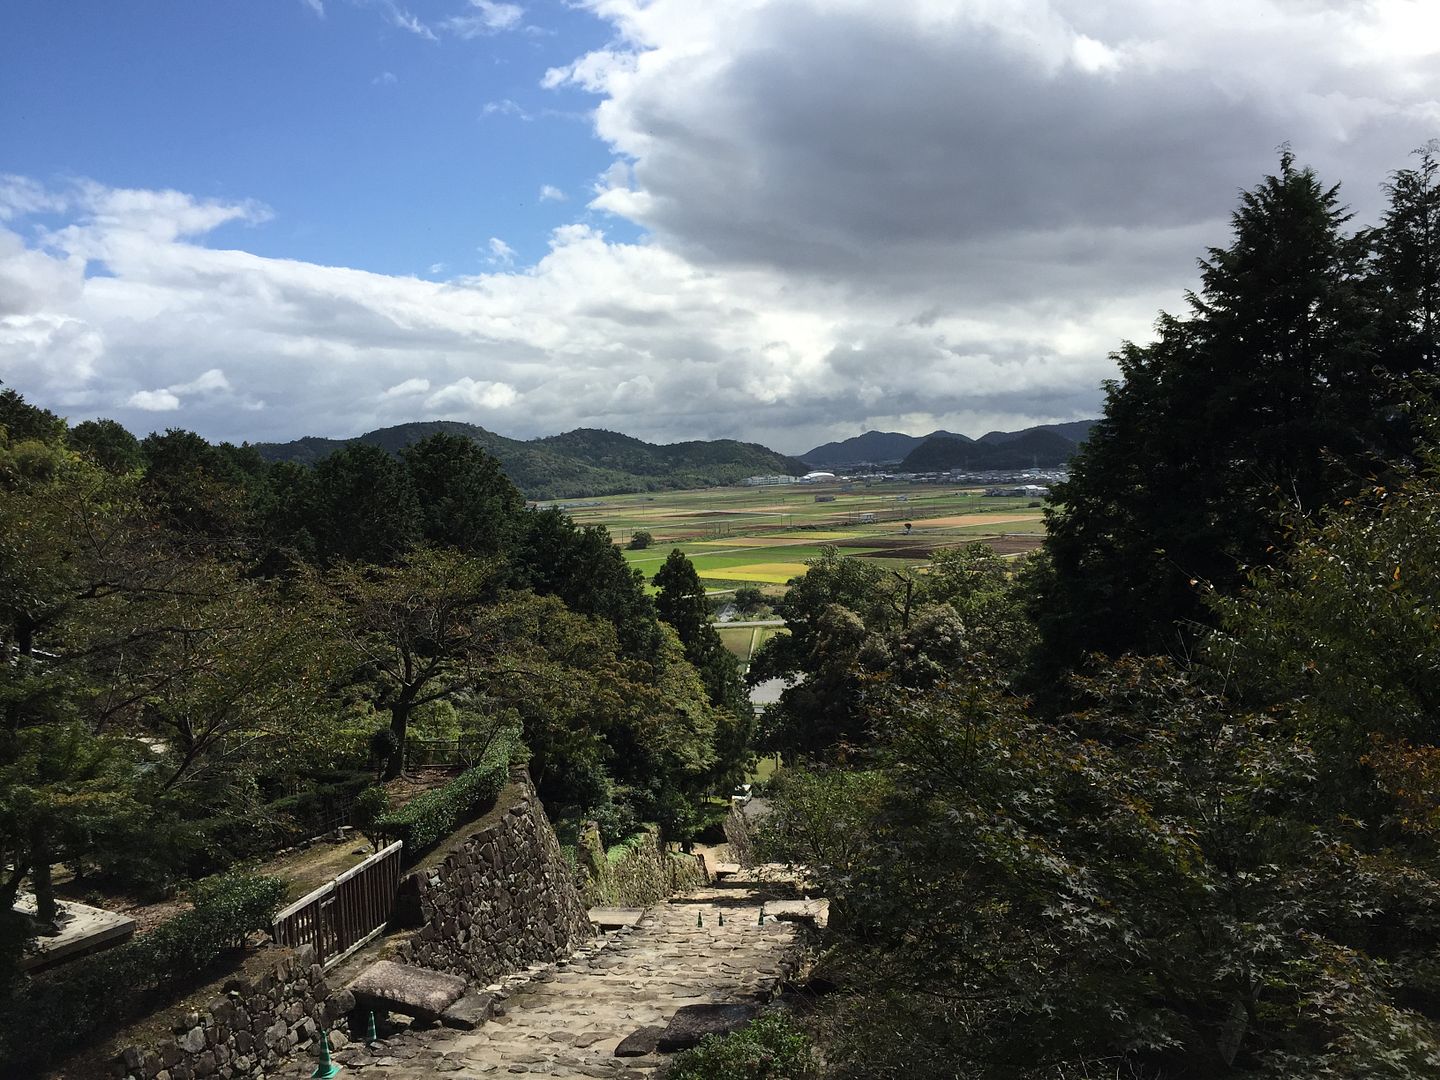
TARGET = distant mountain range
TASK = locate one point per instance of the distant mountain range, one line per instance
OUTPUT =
(1045, 445)
(577, 464)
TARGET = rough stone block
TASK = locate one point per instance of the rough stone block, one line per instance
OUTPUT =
(692, 1023)
(412, 991)
(639, 1043)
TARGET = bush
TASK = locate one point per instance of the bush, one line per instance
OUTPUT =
(770, 1048)
(640, 540)
(429, 818)
(51, 1013)
(369, 807)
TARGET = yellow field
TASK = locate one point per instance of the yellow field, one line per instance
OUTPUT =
(772, 573)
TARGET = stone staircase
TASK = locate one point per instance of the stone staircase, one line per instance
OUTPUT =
(707, 946)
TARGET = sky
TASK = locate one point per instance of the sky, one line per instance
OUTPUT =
(786, 221)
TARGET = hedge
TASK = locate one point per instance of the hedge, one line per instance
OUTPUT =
(427, 819)
(50, 1013)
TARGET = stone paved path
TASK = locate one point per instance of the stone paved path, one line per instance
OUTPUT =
(566, 1019)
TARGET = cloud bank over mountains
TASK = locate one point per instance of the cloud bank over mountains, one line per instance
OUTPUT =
(908, 215)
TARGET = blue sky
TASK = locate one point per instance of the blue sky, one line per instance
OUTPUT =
(781, 220)
(371, 143)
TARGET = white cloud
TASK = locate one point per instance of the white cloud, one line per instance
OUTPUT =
(385, 78)
(551, 193)
(501, 253)
(918, 214)
(407, 388)
(154, 401)
(465, 395)
(485, 17)
(506, 107)
(317, 6)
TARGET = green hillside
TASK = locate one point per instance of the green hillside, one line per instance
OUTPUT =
(580, 463)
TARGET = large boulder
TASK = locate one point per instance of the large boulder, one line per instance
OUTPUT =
(692, 1023)
(410, 991)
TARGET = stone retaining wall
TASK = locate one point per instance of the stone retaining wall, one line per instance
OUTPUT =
(640, 875)
(501, 899)
(257, 1023)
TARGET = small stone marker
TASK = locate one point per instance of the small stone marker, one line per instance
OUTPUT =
(692, 1023)
(412, 991)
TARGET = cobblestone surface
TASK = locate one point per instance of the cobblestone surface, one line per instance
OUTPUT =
(566, 1019)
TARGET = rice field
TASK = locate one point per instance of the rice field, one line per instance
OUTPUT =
(739, 536)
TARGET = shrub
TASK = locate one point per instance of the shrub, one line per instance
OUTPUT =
(48, 1014)
(640, 540)
(770, 1048)
(369, 807)
(429, 818)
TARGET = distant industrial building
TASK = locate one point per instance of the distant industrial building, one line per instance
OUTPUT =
(817, 478)
(769, 481)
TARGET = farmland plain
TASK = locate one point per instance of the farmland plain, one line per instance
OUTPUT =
(764, 536)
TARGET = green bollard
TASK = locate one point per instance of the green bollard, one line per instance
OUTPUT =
(326, 1068)
(372, 1036)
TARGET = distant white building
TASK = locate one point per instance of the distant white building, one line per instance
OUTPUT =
(817, 478)
(769, 481)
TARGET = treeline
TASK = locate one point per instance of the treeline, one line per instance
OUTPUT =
(1162, 800)
(202, 648)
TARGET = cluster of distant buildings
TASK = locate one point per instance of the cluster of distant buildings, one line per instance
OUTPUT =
(1027, 483)
(778, 479)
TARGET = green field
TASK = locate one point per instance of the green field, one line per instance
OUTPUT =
(764, 536)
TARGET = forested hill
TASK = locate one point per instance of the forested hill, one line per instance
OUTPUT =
(579, 463)
(889, 447)
(1035, 448)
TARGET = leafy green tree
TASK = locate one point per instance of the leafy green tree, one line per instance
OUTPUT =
(23, 422)
(198, 488)
(640, 539)
(412, 627)
(364, 507)
(465, 500)
(108, 444)
(556, 557)
(749, 599)
(1267, 394)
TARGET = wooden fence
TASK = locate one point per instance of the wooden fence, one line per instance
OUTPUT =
(445, 753)
(344, 914)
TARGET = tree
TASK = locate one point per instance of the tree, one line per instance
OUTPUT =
(1408, 265)
(1267, 394)
(364, 506)
(680, 601)
(108, 444)
(465, 500)
(640, 539)
(413, 628)
(556, 557)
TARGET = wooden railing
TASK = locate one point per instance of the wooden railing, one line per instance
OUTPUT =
(344, 914)
(445, 753)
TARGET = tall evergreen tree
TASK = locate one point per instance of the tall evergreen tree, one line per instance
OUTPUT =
(1267, 394)
(680, 600)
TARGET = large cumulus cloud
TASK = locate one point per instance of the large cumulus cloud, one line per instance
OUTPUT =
(910, 214)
